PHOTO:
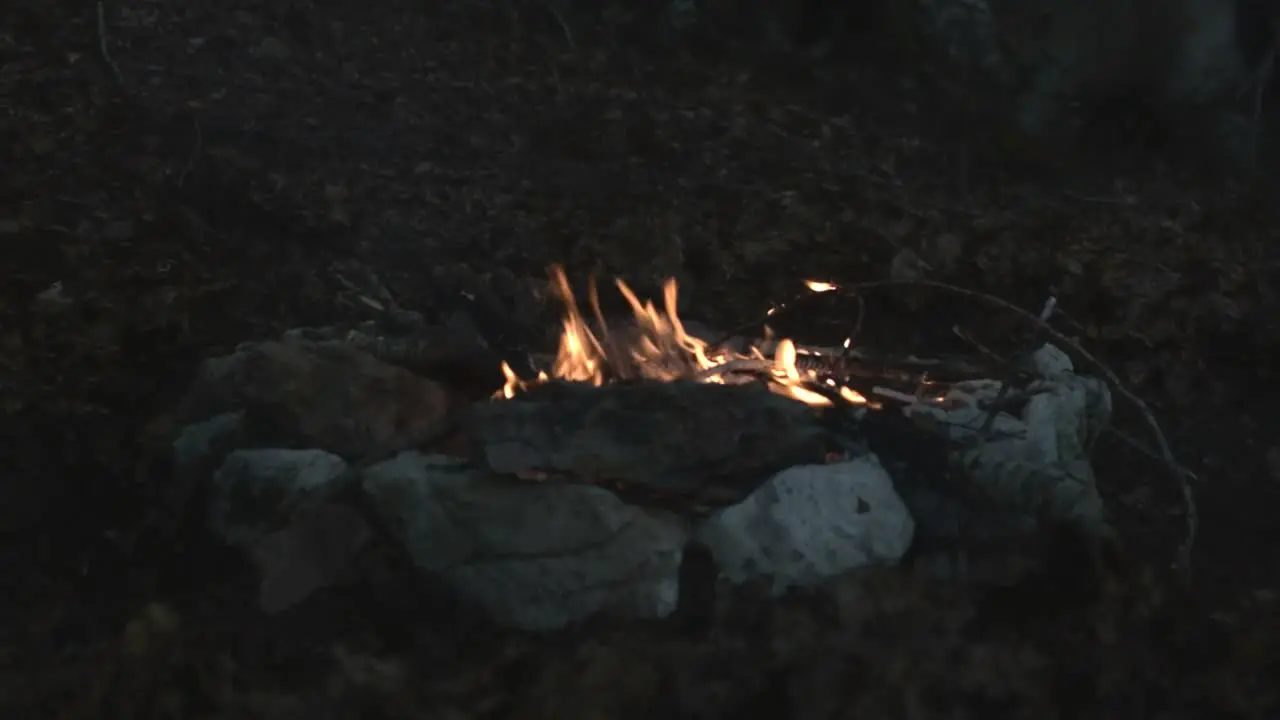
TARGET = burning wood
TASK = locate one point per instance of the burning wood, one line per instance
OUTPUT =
(656, 346)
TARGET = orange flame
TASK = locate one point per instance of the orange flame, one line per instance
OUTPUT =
(657, 347)
(819, 286)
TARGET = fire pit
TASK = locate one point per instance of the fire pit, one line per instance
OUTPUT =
(576, 490)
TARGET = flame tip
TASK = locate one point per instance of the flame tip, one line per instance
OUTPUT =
(820, 286)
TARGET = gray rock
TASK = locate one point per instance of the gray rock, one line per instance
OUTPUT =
(810, 523)
(201, 447)
(197, 452)
(711, 444)
(1009, 476)
(1035, 466)
(304, 394)
(535, 556)
(256, 492)
(197, 441)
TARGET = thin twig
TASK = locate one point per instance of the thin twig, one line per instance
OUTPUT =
(982, 349)
(905, 398)
(739, 365)
(843, 355)
(857, 327)
(1142, 449)
(102, 44)
(1045, 313)
(1180, 476)
(564, 26)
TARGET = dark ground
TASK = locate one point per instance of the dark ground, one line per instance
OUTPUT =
(252, 151)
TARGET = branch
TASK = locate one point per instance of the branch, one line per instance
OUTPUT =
(102, 44)
(1179, 474)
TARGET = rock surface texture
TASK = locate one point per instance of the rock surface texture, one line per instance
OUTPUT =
(810, 523)
(578, 501)
(535, 556)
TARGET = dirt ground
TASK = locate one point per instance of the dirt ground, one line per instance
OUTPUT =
(225, 165)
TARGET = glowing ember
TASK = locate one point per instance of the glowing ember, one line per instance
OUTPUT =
(658, 348)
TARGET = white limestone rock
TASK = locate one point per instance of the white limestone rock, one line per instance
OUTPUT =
(809, 523)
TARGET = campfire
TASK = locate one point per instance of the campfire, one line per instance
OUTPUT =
(576, 489)
(655, 346)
